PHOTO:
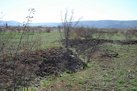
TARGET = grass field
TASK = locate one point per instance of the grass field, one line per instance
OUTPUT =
(37, 40)
(102, 74)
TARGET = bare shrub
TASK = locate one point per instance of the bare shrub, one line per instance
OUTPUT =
(68, 25)
(48, 29)
(15, 48)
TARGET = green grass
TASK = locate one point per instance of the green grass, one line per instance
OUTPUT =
(118, 74)
(50, 39)
(35, 40)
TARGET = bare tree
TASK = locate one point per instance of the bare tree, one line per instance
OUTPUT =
(68, 24)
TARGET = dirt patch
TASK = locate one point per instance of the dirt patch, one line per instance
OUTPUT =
(57, 60)
(93, 42)
(29, 65)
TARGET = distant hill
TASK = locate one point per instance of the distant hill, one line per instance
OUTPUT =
(46, 24)
(109, 24)
(10, 23)
(96, 24)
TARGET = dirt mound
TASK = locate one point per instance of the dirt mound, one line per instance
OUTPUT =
(93, 42)
(57, 60)
(25, 67)
(53, 61)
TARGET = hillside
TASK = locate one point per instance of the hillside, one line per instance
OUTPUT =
(96, 24)
(109, 24)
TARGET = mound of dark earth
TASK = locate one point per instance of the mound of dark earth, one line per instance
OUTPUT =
(58, 60)
(93, 42)
(22, 69)
(53, 61)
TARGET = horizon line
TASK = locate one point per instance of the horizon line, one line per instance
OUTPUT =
(72, 21)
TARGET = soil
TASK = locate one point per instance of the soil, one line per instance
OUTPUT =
(22, 69)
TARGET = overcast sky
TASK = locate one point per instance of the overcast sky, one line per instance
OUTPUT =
(50, 10)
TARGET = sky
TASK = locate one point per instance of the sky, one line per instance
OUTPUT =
(52, 10)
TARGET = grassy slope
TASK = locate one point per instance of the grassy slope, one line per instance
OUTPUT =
(108, 74)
